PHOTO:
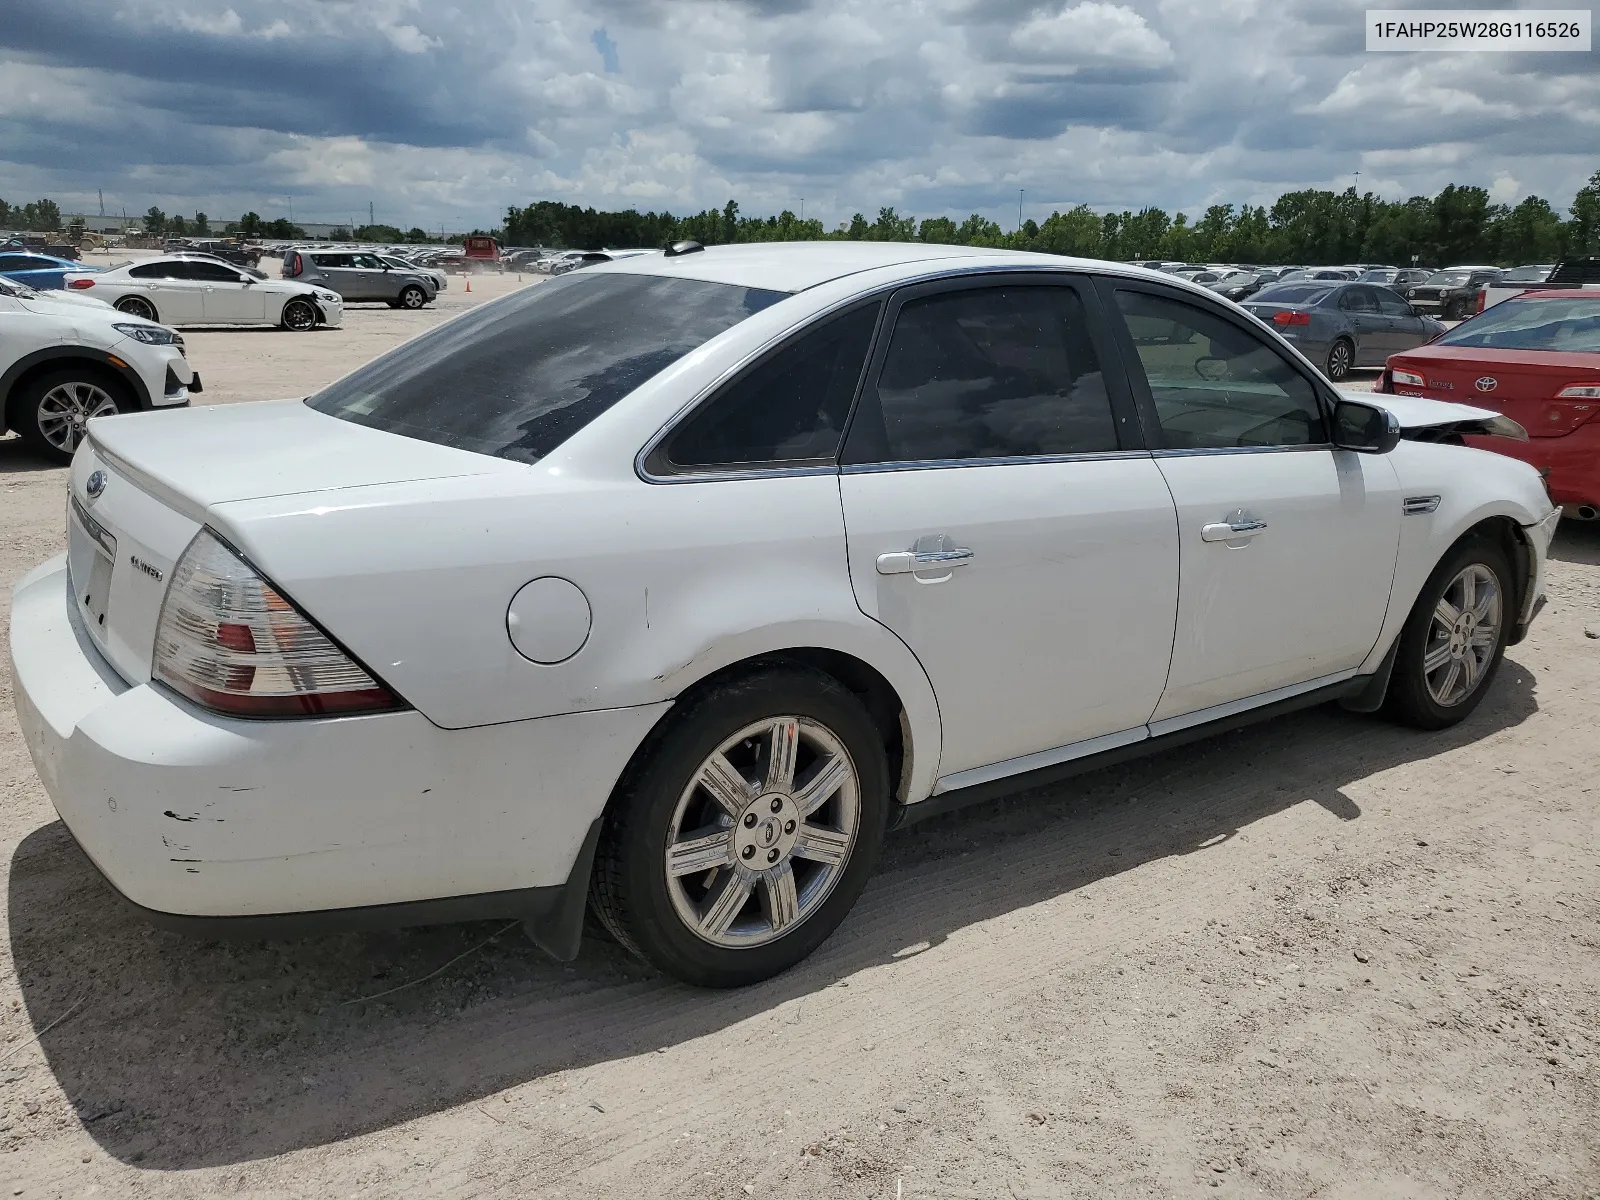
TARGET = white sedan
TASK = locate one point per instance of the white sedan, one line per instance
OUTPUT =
(191, 290)
(669, 586)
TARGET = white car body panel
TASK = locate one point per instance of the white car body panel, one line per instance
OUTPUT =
(1091, 617)
(1304, 597)
(1073, 582)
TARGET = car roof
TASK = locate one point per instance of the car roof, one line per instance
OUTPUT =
(797, 266)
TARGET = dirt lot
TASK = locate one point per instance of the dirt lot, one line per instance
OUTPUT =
(1321, 957)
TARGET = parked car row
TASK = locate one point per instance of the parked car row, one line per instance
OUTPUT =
(741, 558)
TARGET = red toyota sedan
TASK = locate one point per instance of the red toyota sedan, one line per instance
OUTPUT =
(1536, 359)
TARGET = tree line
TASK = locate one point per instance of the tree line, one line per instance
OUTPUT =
(1312, 226)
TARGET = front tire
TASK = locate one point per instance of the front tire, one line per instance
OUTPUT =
(299, 316)
(137, 306)
(1455, 310)
(412, 297)
(1341, 357)
(746, 830)
(52, 408)
(1454, 639)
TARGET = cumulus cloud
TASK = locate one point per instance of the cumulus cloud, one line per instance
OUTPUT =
(445, 111)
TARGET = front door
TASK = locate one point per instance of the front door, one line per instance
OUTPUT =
(1287, 545)
(228, 298)
(1004, 521)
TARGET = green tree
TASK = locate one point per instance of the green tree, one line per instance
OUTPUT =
(940, 231)
(1583, 235)
(6, 215)
(730, 222)
(1461, 217)
(416, 235)
(250, 224)
(1076, 232)
(202, 225)
(1529, 233)
(155, 222)
(177, 226)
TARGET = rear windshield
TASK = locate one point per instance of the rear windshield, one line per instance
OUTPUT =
(1555, 324)
(518, 377)
(1447, 279)
(1526, 275)
(1292, 293)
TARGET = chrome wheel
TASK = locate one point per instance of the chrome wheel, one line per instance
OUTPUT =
(299, 316)
(135, 307)
(66, 408)
(1339, 360)
(763, 832)
(1463, 635)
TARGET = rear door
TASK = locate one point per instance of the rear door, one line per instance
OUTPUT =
(1287, 545)
(1004, 520)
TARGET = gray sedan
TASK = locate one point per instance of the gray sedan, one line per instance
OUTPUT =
(361, 275)
(1343, 325)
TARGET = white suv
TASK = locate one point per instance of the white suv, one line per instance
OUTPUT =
(64, 361)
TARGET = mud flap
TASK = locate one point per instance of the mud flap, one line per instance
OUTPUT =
(558, 930)
(1370, 698)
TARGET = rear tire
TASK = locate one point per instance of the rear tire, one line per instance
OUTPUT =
(746, 829)
(137, 306)
(299, 316)
(51, 409)
(1454, 639)
(1341, 356)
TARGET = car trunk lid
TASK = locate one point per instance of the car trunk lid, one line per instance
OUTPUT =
(1520, 384)
(143, 485)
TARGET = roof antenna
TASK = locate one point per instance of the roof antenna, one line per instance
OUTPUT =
(678, 248)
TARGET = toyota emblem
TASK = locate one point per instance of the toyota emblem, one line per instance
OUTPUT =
(96, 484)
(1487, 384)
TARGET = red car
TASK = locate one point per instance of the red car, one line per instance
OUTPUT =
(1536, 359)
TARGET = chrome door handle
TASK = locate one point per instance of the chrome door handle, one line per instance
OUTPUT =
(1232, 530)
(906, 562)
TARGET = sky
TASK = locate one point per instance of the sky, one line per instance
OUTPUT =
(443, 112)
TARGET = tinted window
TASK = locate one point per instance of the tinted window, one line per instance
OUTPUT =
(331, 260)
(211, 272)
(1214, 384)
(1306, 294)
(1555, 324)
(1390, 305)
(1357, 299)
(517, 377)
(14, 262)
(1005, 372)
(790, 408)
(149, 271)
(1526, 275)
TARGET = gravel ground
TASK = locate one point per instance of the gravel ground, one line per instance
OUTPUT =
(1320, 957)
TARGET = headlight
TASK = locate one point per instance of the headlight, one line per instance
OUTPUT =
(150, 335)
(328, 297)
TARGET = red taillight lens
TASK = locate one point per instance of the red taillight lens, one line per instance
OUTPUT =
(80, 284)
(1291, 318)
(229, 641)
(295, 265)
(1483, 299)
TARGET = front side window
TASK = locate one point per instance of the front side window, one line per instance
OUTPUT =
(990, 373)
(1390, 305)
(790, 408)
(517, 377)
(1215, 385)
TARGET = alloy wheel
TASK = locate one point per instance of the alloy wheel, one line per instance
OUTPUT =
(1463, 635)
(413, 298)
(763, 832)
(299, 316)
(135, 307)
(66, 408)
(1339, 359)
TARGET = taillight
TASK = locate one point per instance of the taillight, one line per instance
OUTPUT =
(1291, 318)
(230, 642)
(1580, 391)
(80, 284)
(1483, 298)
(295, 265)
(1406, 378)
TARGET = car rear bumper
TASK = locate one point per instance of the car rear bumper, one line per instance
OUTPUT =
(1570, 464)
(302, 825)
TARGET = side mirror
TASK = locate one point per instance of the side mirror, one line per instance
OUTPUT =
(1364, 428)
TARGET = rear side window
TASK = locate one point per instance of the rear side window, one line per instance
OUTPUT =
(1357, 299)
(519, 376)
(331, 260)
(987, 373)
(790, 408)
(1215, 385)
(154, 271)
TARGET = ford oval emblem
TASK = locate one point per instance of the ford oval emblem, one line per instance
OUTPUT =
(1487, 384)
(96, 484)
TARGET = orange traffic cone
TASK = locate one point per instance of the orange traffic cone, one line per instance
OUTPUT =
(469, 283)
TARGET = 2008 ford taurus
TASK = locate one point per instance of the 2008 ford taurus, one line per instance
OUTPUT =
(669, 586)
